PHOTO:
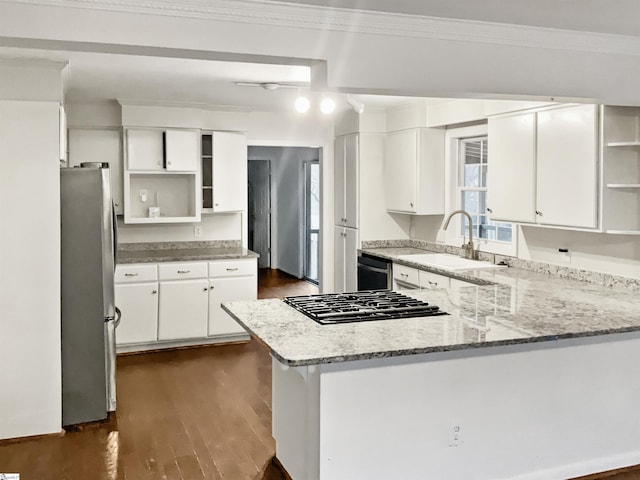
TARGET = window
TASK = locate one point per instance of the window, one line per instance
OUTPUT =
(468, 169)
(472, 184)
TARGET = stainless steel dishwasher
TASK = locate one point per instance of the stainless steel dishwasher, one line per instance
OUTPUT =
(374, 273)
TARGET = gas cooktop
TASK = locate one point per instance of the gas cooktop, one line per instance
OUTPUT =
(363, 306)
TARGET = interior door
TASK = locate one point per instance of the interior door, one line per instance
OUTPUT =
(260, 210)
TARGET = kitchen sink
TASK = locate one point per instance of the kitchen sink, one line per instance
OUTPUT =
(445, 261)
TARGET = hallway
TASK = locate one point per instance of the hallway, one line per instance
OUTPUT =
(277, 284)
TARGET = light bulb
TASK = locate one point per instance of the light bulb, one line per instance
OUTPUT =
(302, 104)
(327, 105)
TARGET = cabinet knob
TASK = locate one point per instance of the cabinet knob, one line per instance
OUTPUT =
(538, 212)
(168, 163)
(489, 210)
(205, 289)
(411, 204)
(153, 292)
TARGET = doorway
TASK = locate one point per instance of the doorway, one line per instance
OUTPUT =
(259, 210)
(311, 220)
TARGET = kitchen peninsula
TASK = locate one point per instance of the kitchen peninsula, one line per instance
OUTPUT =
(529, 376)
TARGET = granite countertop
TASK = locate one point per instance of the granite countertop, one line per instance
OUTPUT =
(181, 252)
(513, 306)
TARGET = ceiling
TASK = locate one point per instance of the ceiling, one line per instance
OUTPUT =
(611, 16)
(100, 77)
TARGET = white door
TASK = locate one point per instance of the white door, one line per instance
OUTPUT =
(144, 149)
(138, 303)
(229, 172)
(351, 187)
(182, 151)
(97, 145)
(567, 166)
(339, 259)
(350, 260)
(223, 290)
(400, 167)
(183, 309)
(339, 181)
(512, 164)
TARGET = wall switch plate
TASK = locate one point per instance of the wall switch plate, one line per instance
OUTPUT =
(454, 436)
(143, 195)
(197, 231)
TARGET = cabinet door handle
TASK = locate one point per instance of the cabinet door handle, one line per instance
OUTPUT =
(130, 274)
(432, 283)
(153, 292)
(232, 269)
(489, 210)
(184, 271)
(411, 204)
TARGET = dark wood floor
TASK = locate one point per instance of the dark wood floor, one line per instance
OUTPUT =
(200, 413)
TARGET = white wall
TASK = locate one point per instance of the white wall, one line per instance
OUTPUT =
(287, 204)
(30, 378)
(218, 226)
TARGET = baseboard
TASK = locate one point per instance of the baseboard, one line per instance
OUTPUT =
(159, 346)
(30, 438)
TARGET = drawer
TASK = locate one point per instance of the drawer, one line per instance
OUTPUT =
(136, 273)
(233, 268)
(433, 280)
(182, 271)
(406, 274)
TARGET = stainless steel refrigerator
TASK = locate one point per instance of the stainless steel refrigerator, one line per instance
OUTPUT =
(89, 315)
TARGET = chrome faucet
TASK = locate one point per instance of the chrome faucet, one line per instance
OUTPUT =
(469, 251)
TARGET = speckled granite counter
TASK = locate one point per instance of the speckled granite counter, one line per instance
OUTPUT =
(513, 306)
(181, 252)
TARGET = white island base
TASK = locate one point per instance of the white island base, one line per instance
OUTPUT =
(554, 409)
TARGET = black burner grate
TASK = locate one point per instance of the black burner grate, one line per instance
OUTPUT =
(368, 305)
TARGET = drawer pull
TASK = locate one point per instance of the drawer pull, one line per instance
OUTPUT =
(184, 271)
(404, 275)
(432, 283)
(232, 269)
(130, 274)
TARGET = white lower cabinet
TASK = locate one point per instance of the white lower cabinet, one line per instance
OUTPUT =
(346, 260)
(183, 309)
(228, 290)
(177, 302)
(138, 303)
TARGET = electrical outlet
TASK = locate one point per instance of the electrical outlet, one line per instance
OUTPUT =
(197, 231)
(565, 255)
(455, 438)
(143, 195)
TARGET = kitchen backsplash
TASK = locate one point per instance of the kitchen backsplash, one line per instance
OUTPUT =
(142, 246)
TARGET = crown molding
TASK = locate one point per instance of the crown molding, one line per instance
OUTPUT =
(125, 102)
(274, 13)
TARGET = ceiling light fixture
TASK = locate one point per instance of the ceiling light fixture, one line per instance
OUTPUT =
(302, 104)
(327, 106)
(356, 105)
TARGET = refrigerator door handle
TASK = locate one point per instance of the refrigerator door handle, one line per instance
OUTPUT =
(116, 321)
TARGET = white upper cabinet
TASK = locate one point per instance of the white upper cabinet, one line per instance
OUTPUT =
(229, 165)
(567, 154)
(346, 180)
(414, 171)
(144, 149)
(512, 162)
(100, 145)
(160, 149)
(544, 167)
(182, 150)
